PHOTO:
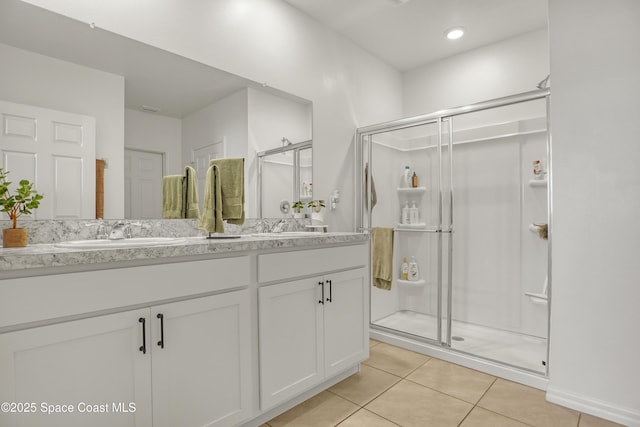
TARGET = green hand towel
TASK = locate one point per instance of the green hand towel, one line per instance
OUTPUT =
(232, 188)
(382, 257)
(172, 196)
(211, 219)
(192, 210)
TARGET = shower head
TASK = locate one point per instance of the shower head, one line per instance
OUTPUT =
(544, 83)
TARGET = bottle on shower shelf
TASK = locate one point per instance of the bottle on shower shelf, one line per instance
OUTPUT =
(414, 180)
(406, 177)
(414, 214)
(406, 213)
(414, 274)
(404, 270)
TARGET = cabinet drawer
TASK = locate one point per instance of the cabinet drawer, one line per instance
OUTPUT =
(286, 265)
(40, 298)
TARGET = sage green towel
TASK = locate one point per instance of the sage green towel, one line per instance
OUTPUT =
(211, 219)
(232, 188)
(382, 257)
(191, 208)
(172, 196)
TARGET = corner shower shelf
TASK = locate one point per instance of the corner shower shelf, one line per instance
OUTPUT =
(412, 189)
(410, 227)
(537, 183)
(420, 282)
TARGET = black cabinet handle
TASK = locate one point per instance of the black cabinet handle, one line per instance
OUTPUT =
(321, 299)
(161, 342)
(143, 347)
(330, 299)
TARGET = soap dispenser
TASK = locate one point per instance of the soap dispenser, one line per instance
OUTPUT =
(404, 272)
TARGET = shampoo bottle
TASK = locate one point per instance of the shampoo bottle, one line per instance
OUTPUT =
(406, 214)
(406, 177)
(413, 270)
(404, 272)
(414, 215)
(414, 180)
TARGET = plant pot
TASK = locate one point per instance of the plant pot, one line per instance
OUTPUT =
(299, 215)
(317, 218)
(14, 237)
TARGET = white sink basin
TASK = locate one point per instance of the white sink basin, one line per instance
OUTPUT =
(136, 242)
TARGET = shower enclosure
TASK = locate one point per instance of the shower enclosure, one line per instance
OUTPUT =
(480, 236)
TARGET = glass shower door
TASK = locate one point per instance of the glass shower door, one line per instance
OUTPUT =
(414, 210)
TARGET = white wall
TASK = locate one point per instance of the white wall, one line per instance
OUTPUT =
(225, 120)
(595, 339)
(270, 119)
(156, 133)
(34, 79)
(501, 69)
(269, 41)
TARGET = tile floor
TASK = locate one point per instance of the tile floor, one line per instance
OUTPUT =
(397, 387)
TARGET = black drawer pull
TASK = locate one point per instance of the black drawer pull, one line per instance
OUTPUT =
(321, 299)
(161, 342)
(143, 347)
(330, 299)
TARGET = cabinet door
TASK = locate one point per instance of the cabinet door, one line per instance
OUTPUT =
(82, 363)
(201, 361)
(345, 320)
(291, 355)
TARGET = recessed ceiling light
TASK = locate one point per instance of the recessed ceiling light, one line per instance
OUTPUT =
(454, 33)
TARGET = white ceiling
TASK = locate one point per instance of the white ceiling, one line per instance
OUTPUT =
(408, 34)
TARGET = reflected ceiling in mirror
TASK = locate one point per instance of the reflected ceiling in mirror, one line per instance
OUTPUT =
(153, 80)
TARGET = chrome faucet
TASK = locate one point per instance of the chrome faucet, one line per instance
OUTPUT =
(279, 226)
(102, 231)
(120, 230)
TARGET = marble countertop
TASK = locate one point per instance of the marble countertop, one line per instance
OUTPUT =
(33, 259)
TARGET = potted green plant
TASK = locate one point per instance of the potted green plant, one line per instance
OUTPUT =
(316, 205)
(297, 209)
(316, 216)
(20, 202)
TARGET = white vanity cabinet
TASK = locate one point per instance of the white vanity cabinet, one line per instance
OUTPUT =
(184, 363)
(312, 328)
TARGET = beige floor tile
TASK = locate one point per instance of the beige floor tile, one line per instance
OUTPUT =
(323, 410)
(587, 420)
(526, 404)
(366, 385)
(364, 418)
(409, 404)
(454, 380)
(482, 418)
(394, 360)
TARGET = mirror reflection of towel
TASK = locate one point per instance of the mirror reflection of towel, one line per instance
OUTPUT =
(172, 196)
(191, 207)
(211, 219)
(374, 196)
(232, 188)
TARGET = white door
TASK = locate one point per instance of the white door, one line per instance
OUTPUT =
(345, 320)
(94, 361)
(291, 330)
(202, 361)
(200, 158)
(143, 171)
(56, 151)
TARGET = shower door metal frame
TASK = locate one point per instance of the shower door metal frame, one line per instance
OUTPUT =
(363, 209)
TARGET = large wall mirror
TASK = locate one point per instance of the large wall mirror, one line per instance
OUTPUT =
(155, 112)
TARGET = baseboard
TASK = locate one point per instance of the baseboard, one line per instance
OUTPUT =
(597, 408)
